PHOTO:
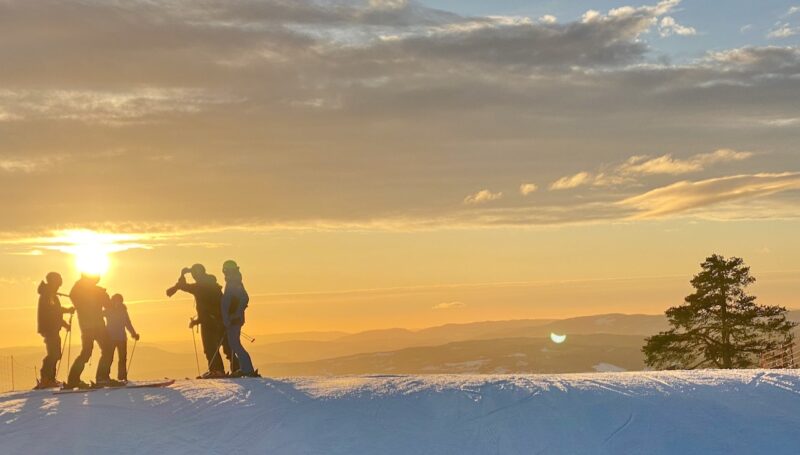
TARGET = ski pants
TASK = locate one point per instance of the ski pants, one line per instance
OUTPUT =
(121, 347)
(212, 333)
(88, 338)
(234, 338)
(52, 341)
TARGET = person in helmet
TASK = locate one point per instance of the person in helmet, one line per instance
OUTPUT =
(234, 302)
(50, 318)
(90, 300)
(208, 296)
(117, 321)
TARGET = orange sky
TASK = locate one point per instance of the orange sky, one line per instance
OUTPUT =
(344, 280)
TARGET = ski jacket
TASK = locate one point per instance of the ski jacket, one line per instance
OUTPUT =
(117, 320)
(89, 300)
(207, 297)
(50, 313)
(234, 301)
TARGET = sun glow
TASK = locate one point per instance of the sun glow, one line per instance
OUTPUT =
(92, 250)
(91, 259)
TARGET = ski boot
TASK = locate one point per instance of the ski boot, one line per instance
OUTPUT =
(213, 375)
(241, 374)
(48, 384)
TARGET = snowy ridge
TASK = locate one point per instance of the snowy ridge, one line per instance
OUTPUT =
(707, 412)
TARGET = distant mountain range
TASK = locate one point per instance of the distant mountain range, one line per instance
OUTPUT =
(608, 342)
(580, 353)
(395, 339)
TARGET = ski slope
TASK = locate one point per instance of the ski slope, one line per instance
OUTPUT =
(710, 412)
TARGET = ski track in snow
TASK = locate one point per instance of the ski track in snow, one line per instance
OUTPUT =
(699, 412)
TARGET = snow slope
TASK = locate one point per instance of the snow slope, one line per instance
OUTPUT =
(739, 412)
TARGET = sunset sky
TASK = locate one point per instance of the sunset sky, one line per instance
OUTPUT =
(392, 163)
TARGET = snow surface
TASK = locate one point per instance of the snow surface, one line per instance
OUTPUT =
(709, 412)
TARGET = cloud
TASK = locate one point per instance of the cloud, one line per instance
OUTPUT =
(528, 188)
(764, 60)
(784, 30)
(548, 19)
(666, 164)
(687, 196)
(26, 165)
(449, 306)
(263, 97)
(644, 165)
(574, 181)
(668, 27)
(19, 165)
(106, 106)
(482, 196)
(599, 39)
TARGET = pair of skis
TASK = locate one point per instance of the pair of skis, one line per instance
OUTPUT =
(132, 385)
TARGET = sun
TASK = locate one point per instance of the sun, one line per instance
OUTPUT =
(91, 259)
(90, 249)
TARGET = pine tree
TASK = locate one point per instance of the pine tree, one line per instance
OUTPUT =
(719, 325)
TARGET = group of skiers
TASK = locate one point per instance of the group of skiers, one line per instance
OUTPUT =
(104, 320)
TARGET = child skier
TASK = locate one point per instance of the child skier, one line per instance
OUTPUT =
(117, 320)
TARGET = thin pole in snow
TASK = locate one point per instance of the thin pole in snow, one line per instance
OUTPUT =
(133, 351)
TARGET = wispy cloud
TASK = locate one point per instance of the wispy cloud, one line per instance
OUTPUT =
(687, 196)
(572, 181)
(106, 106)
(784, 30)
(482, 196)
(644, 165)
(449, 305)
(667, 164)
(26, 165)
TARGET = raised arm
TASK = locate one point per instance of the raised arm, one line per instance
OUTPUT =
(182, 285)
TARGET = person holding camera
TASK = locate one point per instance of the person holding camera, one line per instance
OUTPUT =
(208, 297)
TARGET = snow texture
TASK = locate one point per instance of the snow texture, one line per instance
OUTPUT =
(708, 412)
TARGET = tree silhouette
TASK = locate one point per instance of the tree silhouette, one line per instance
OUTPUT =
(719, 325)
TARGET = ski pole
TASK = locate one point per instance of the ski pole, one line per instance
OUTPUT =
(248, 337)
(216, 353)
(69, 347)
(64, 344)
(130, 361)
(196, 358)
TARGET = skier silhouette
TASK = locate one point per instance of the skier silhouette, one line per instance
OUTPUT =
(208, 296)
(50, 315)
(234, 302)
(117, 320)
(89, 300)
